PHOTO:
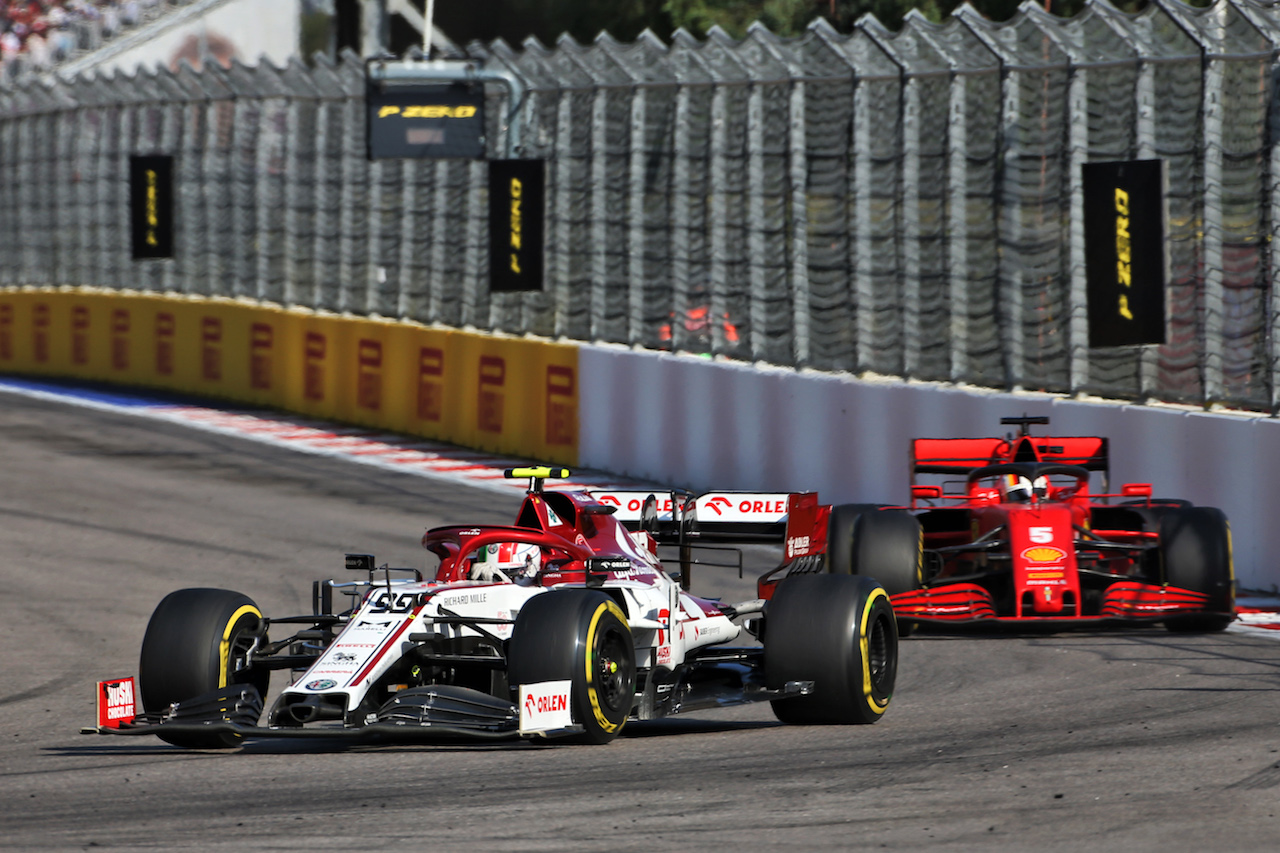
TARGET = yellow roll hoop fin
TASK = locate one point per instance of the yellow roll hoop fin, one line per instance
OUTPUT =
(538, 473)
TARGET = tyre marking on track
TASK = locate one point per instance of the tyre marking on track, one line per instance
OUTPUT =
(224, 648)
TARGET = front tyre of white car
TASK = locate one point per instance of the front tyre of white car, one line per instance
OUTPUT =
(580, 636)
(196, 643)
(839, 632)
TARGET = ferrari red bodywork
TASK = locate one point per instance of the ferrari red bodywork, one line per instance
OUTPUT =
(1014, 533)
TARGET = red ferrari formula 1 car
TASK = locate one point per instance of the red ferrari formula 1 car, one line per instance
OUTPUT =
(1014, 534)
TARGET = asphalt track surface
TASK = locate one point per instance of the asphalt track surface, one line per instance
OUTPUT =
(1136, 740)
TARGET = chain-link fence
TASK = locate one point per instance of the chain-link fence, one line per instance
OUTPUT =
(906, 203)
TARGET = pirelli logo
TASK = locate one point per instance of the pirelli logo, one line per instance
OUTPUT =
(517, 192)
(151, 206)
(1124, 252)
(431, 111)
(416, 121)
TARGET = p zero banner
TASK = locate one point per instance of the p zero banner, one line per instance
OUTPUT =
(507, 395)
(419, 121)
(151, 206)
(1124, 252)
(517, 191)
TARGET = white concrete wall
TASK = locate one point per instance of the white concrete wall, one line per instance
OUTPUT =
(701, 424)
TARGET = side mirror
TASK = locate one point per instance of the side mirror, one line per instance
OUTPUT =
(1136, 490)
(925, 493)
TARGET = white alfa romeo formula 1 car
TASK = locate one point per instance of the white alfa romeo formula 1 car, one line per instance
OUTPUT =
(563, 624)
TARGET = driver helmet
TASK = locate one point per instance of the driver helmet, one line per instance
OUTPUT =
(1015, 489)
(516, 561)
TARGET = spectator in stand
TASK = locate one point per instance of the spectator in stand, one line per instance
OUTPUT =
(43, 30)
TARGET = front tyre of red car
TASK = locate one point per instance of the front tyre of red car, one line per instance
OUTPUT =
(839, 632)
(1195, 550)
(581, 636)
(197, 642)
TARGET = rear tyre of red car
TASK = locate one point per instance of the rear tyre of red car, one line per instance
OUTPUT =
(883, 544)
(888, 545)
(582, 636)
(1195, 549)
(839, 632)
(196, 643)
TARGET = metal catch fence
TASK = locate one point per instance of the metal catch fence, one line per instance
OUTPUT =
(907, 204)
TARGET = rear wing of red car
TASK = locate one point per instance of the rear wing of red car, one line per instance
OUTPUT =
(961, 455)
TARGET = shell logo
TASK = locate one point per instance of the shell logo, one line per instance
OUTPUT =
(1044, 554)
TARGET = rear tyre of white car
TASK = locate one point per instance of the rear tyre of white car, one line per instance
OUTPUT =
(837, 631)
(196, 643)
(582, 636)
(1195, 547)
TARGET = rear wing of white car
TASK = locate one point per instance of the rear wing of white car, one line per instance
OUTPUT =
(795, 519)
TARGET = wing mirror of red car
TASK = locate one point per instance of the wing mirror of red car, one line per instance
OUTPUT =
(1136, 490)
(925, 493)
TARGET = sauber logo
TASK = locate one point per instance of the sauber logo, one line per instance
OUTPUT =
(1044, 554)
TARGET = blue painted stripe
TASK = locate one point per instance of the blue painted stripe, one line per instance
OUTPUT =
(130, 398)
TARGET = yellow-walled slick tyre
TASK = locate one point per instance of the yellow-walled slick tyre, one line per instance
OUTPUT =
(195, 643)
(839, 632)
(582, 636)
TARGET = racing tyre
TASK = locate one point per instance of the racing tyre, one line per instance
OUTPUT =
(196, 643)
(838, 632)
(864, 540)
(1195, 547)
(582, 636)
(840, 535)
(884, 545)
